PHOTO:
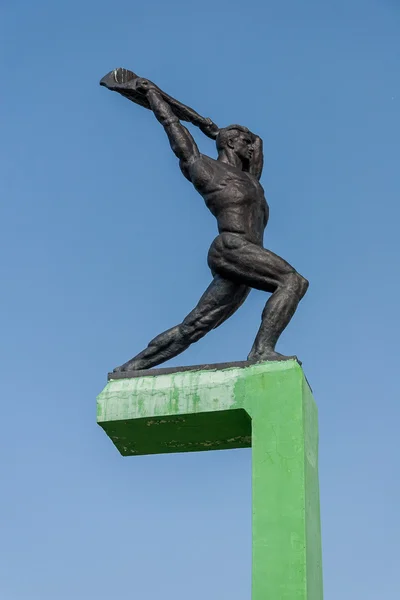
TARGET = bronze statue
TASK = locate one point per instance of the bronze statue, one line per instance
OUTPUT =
(238, 261)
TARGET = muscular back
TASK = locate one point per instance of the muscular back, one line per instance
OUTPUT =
(236, 198)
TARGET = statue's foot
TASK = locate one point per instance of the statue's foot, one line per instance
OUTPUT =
(131, 365)
(269, 355)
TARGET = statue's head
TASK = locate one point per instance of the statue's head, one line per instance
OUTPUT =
(238, 140)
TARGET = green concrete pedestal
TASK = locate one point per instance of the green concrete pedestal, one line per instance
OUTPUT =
(267, 406)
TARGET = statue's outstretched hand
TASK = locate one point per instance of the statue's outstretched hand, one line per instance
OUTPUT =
(144, 85)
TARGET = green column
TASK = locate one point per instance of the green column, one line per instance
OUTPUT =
(268, 406)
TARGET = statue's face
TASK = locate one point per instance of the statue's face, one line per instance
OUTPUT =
(242, 145)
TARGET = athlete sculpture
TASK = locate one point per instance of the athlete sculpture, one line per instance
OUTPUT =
(231, 190)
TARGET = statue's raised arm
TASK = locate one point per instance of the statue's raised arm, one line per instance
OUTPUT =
(127, 83)
(180, 139)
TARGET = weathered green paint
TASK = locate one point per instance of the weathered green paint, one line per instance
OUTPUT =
(268, 406)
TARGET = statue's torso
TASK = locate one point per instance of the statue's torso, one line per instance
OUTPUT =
(234, 197)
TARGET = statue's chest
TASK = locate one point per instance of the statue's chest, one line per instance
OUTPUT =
(218, 182)
(243, 186)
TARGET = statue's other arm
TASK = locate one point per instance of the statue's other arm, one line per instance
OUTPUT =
(258, 157)
(182, 143)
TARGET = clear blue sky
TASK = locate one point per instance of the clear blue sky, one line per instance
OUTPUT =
(104, 245)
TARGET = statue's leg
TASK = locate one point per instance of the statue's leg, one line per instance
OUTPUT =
(233, 256)
(219, 301)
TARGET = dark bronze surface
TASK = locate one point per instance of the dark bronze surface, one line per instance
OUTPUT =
(237, 259)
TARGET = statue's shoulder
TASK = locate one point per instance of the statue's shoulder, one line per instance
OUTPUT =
(204, 163)
(205, 167)
(201, 170)
(212, 164)
(207, 160)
